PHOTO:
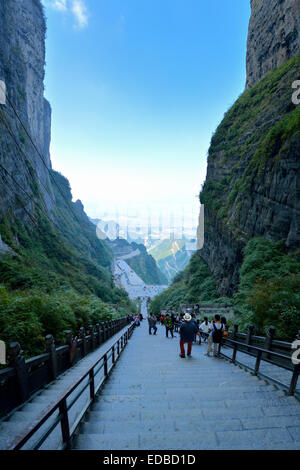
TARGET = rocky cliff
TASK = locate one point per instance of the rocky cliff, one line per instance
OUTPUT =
(47, 242)
(22, 59)
(252, 183)
(274, 36)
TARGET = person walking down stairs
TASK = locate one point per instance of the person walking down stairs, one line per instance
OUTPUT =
(216, 330)
(169, 326)
(188, 330)
(152, 324)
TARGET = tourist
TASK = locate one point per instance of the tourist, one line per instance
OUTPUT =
(196, 324)
(169, 326)
(137, 320)
(225, 327)
(188, 330)
(152, 324)
(215, 335)
(177, 323)
(204, 327)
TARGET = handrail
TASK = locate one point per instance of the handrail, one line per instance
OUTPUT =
(256, 348)
(260, 351)
(22, 378)
(61, 404)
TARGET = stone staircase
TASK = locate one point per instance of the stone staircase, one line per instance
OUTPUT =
(156, 400)
(12, 427)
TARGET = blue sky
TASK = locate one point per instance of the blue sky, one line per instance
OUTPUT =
(137, 88)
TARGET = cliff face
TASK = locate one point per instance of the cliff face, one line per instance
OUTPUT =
(28, 195)
(274, 36)
(22, 59)
(252, 183)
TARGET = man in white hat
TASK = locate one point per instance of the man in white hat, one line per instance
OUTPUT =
(188, 330)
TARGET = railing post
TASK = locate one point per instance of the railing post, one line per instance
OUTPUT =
(249, 336)
(17, 361)
(72, 346)
(257, 363)
(92, 334)
(113, 354)
(269, 340)
(51, 350)
(98, 334)
(235, 331)
(105, 365)
(65, 428)
(234, 353)
(83, 337)
(92, 384)
(118, 348)
(104, 331)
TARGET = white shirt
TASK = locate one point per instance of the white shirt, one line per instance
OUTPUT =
(204, 327)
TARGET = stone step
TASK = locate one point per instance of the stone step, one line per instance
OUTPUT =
(149, 441)
(209, 393)
(167, 425)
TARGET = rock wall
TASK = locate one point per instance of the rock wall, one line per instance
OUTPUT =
(22, 61)
(274, 36)
(253, 174)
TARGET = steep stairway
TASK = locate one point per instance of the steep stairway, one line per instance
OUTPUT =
(156, 400)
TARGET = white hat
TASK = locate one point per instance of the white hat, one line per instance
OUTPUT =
(187, 317)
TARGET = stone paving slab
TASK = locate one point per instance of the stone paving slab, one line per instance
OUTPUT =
(156, 400)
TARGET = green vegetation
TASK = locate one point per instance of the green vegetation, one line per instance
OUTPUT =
(269, 289)
(193, 285)
(55, 279)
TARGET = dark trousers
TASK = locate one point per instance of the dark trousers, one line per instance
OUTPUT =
(182, 350)
(154, 328)
(167, 332)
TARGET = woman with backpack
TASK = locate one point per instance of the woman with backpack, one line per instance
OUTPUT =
(215, 335)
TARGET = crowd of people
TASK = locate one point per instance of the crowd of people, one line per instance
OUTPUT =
(190, 330)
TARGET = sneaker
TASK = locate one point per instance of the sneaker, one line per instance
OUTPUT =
(208, 355)
(183, 357)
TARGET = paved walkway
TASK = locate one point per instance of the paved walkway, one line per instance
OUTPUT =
(156, 400)
(32, 412)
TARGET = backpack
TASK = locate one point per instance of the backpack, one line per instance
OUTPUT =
(217, 334)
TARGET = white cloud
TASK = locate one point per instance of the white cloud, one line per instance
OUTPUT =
(77, 8)
(60, 5)
(80, 12)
